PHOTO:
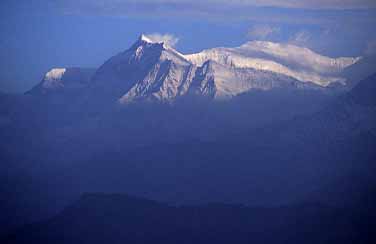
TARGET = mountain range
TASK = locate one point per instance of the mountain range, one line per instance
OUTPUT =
(155, 71)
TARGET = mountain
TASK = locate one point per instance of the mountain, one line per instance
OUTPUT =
(218, 73)
(274, 140)
(154, 71)
(115, 218)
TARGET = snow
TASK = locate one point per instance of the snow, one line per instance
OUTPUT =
(53, 78)
(167, 41)
(300, 56)
(166, 80)
(146, 39)
(223, 82)
(139, 52)
(64, 80)
(152, 40)
(300, 63)
(55, 74)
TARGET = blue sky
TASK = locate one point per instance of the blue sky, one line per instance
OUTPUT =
(37, 35)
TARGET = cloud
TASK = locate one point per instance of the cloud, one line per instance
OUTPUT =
(206, 5)
(168, 39)
(262, 32)
(316, 4)
(260, 11)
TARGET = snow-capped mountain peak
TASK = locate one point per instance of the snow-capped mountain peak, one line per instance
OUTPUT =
(169, 74)
(158, 47)
(148, 70)
(59, 80)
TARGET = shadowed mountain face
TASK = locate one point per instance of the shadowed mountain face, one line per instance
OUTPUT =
(101, 218)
